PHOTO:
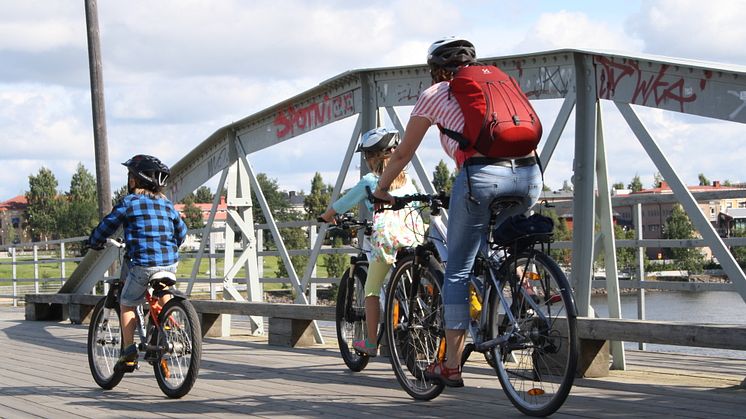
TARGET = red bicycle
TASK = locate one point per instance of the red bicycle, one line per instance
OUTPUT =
(170, 336)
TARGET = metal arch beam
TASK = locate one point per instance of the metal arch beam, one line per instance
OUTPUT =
(729, 264)
(583, 183)
(607, 235)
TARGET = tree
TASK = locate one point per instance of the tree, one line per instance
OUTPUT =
(203, 195)
(561, 233)
(119, 194)
(618, 186)
(78, 213)
(443, 178)
(657, 180)
(678, 226)
(739, 253)
(276, 199)
(192, 215)
(636, 184)
(317, 201)
(336, 263)
(43, 205)
(703, 181)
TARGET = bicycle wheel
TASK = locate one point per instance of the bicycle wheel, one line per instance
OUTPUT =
(537, 361)
(350, 317)
(180, 340)
(415, 339)
(104, 345)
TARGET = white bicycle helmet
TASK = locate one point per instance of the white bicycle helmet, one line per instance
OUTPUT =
(451, 53)
(378, 139)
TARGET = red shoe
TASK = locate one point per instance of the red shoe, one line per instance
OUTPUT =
(448, 376)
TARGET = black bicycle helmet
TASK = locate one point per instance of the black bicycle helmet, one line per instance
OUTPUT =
(148, 170)
(378, 139)
(451, 53)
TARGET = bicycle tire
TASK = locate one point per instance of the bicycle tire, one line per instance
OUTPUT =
(415, 341)
(180, 338)
(350, 317)
(105, 345)
(536, 366)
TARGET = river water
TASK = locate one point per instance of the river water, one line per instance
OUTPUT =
(697, 307)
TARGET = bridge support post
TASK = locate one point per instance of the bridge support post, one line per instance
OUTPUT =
(593, 361)
(291, 332)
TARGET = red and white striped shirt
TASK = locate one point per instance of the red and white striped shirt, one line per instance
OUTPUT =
(439, 107)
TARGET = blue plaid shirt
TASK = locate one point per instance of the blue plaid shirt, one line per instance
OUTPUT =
(153, 230)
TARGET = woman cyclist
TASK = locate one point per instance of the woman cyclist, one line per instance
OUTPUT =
(392, 230)
(479, 181)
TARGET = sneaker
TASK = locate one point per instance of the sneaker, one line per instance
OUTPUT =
(128, 357)
(448, 376)
(365, 347)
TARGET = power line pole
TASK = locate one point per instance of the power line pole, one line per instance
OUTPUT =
(103, 185)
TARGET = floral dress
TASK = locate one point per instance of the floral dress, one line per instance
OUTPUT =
(392, 230)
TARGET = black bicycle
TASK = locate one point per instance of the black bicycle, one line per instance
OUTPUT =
(170, 336)
(522, 307)
(350, 310)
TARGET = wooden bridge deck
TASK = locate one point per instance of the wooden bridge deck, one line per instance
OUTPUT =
(44, 373)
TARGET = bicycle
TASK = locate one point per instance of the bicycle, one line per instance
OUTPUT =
(170, 338)
(522, 308)
(350, 305)
(350, 308)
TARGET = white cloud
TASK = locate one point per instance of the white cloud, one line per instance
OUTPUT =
(712, 31)
(565, 29)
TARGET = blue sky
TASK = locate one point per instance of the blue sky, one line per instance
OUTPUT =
(175, 71)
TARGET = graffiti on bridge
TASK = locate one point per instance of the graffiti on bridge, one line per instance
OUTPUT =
(547, 81)
(649, 88)
(297, 120)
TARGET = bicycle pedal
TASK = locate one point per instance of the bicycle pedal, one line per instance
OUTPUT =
(126, 366)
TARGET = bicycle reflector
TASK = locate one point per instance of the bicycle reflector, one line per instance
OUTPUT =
(535, 392)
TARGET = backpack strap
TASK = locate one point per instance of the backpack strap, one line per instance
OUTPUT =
(463, 143)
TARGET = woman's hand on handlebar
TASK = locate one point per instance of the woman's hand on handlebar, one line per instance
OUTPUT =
(328, 216)
(380, 198)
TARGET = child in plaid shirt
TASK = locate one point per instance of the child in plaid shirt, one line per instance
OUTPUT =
(153, 232)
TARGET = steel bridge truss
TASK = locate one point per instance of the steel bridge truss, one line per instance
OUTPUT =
(581, 78)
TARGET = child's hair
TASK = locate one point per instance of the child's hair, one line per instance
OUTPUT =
(146, 188)
(377, 161)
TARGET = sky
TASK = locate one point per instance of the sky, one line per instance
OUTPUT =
(175, 71)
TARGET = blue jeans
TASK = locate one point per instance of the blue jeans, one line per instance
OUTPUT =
(468, 222)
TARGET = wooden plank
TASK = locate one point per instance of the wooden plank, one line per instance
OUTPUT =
(286, 311)
(667, 333)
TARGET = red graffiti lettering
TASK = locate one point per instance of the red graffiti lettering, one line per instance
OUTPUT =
(650, 90)
(294, 121)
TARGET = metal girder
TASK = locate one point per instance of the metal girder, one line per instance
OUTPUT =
(584, 195)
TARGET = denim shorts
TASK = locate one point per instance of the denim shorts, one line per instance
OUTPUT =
(136, 283)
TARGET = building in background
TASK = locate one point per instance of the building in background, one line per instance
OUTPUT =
(13, 225)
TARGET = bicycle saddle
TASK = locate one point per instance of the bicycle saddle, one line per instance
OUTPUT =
(163, 277)
(504, 202)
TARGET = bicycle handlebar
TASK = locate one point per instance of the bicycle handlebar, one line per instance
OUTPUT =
(436, 202)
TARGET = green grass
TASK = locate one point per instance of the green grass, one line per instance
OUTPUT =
(52, 269)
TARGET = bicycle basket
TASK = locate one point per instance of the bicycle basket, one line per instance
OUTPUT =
(521, 231)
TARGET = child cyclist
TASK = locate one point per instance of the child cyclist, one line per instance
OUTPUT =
(153, 232)
(391, 230)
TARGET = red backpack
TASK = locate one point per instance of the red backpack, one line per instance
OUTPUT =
(499, 121)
